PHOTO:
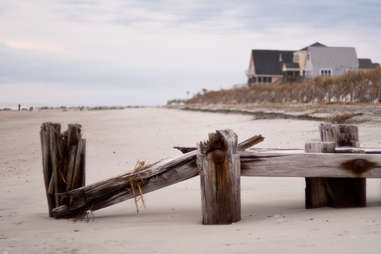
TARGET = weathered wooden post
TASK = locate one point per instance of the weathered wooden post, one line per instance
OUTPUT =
(63, 160)
(219, 164)
(336, 192)
(316, 195)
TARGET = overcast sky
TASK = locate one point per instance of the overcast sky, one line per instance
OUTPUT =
(120, 52)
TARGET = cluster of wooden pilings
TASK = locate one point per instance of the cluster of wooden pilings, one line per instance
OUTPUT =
(335, 170)
(63, 161)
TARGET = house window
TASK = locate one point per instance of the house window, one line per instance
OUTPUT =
(326, 72)
(259, 80)
(266, 79)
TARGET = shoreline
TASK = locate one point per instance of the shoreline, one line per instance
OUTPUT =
(334, 113)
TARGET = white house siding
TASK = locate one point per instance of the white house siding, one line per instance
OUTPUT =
(336, 59)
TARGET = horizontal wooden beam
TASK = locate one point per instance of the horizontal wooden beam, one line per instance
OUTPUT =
(299, 164)
(343, 149)
(282, 163)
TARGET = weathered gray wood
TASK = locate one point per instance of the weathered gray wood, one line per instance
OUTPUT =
(76, 181)
(219, 167)
(47, 170)
(250, 142)
(320, 147)
(63, 161)
(344, 192)
(343, 135)
(185, 149)
(165, 173)
(315, 191)
(114, 190)
(241, 146)
(118, 189)
(54, 131)
(83, 164)
(70, 168)
(337, 150)
(332, 165)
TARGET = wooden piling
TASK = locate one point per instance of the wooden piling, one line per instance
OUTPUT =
(336, 192)
(219, 164)
(316, 186)
(63, 160)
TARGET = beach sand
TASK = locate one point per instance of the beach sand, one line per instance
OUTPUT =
(273, 216)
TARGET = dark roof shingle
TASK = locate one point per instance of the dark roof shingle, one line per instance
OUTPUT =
(269, 62)
(366, 63)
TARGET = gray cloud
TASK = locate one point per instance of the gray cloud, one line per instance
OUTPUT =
(167, 47)
(251, 14)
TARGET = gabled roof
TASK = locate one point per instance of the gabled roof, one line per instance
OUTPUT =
(269, 62)
(316, 44)
(366, 63)
(340, 57)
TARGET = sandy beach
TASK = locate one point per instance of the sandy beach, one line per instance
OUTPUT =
(273, 216)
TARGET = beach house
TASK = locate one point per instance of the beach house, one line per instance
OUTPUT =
(275, 66)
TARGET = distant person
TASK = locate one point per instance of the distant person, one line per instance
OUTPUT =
(19, 107)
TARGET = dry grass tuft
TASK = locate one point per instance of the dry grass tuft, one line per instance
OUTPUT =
(352, 87)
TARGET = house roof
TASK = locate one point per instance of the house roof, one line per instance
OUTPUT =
(269, 62)
(366, 63)
(340, 57)
(316, 44)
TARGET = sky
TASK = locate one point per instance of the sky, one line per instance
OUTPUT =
(130, 52)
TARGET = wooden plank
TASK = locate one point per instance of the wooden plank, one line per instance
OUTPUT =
(118, 189)
(76, 180)
(320, 147)
(54, 132)
(72, 151)
(83, 163)
(218, 162)
(252, 141)
(46, 165)
(166, 173)
(344, 149)
(310, 165)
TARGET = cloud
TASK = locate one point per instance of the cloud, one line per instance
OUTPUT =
(167, 47)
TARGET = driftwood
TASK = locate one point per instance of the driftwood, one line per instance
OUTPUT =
(332, 165)
(63, 160)
(219, 166)
(146, 179)
(165, 173)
